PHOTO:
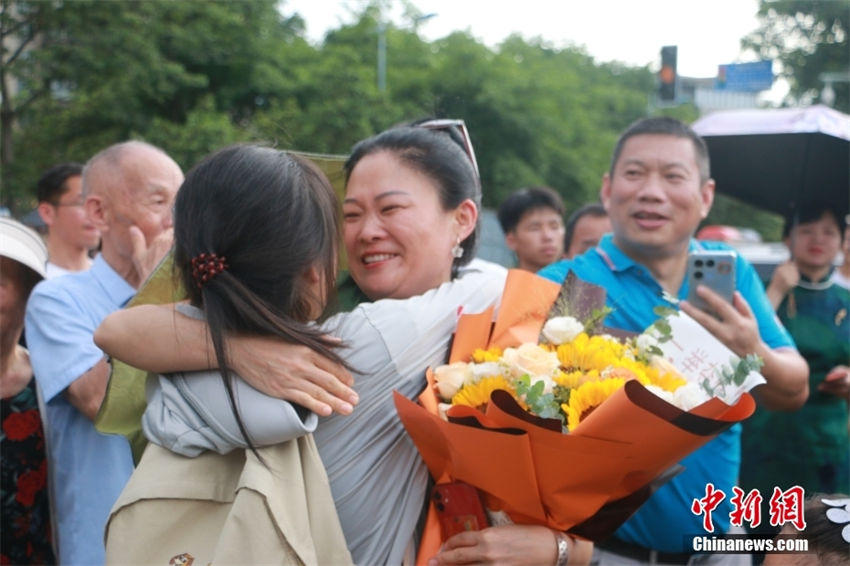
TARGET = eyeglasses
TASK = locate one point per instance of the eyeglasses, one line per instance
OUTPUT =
(457, 130)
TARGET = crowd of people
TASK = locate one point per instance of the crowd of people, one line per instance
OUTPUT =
(271, 435)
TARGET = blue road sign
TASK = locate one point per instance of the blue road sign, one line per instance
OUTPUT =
(745, 77)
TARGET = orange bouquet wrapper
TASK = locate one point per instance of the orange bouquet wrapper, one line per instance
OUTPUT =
(587, 482)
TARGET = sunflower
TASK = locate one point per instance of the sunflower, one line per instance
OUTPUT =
(493, 354)
(586, 397)
(573, 379)
(478, 394)
(587, 353)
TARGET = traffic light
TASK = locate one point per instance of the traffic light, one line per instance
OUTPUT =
(667, 74)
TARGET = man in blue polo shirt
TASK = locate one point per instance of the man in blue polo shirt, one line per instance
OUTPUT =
(129, 189)
(656, 193)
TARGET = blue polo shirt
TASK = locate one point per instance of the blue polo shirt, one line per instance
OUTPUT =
(664, 521)
(88, 469)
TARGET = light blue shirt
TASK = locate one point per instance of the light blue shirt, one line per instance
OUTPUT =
(88, 469)
(664, 521)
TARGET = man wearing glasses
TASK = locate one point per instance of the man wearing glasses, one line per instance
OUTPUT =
(70, 234)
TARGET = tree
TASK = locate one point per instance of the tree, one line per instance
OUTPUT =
(192, 77)
(19, 22)
(93, 73)
(809, 38)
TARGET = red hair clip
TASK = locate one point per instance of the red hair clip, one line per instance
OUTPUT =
(206, 266)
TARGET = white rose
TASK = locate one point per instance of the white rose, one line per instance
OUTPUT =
(485, 369)
(562, 329)
(450, 378)
(689, 396)
(645, 343)
(662, 393)
(530, 359)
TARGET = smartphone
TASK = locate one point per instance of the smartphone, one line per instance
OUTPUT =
(715, 270)
(459, 508)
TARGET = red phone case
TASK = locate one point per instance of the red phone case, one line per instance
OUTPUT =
(459, 508)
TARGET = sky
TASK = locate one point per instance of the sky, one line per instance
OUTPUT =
(707, 32)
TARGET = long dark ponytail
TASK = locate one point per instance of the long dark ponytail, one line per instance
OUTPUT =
(268, 216)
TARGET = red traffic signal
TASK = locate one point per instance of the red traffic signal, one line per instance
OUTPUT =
(667, 74)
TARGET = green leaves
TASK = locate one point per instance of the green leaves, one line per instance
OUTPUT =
(733, 373)
(662, 327)
(544, 405)
(809, 38)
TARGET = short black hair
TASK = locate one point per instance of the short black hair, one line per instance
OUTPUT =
(524, 200)
(665, 125)
(810, 211)
(824, 535)
(52, 183)
(593, 209)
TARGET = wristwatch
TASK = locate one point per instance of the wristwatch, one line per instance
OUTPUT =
(563, 547)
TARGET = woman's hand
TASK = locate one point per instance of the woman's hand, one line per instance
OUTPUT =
(294, 373)
(511, 545)
(837, 382)
(785, 277)
(175, 342)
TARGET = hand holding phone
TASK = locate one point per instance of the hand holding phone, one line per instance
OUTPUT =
(715, 270)
(459, 508)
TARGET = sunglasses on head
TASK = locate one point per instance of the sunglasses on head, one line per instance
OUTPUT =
(458, 132)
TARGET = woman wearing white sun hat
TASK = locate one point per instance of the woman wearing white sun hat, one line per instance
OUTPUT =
(25, 515)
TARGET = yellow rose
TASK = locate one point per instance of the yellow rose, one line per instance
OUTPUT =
(531, 359)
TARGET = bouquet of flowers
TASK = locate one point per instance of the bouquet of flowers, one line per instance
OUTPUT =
(559, 421)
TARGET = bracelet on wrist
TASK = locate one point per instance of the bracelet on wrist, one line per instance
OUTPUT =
(563, 549)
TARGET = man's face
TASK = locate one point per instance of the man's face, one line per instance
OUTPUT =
(145, 200)
(69, 221)
(587, 232)
(538, 238)
(654, 198)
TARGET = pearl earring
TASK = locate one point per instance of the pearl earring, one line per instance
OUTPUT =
(457, 251)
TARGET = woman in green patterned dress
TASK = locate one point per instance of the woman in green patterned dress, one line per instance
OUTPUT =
(808, 447)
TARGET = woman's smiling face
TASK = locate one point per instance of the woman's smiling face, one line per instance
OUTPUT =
(814, 245)
(397, 235)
